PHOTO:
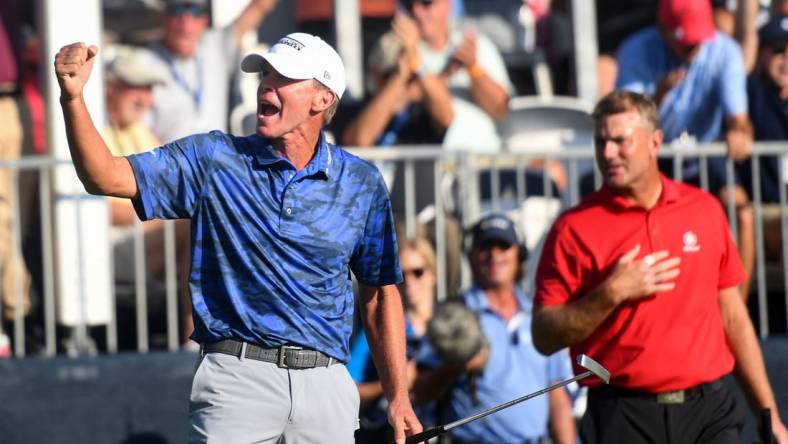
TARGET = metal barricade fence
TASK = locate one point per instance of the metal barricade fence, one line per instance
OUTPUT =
(434, 191)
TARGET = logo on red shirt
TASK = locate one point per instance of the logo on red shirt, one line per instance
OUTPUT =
(690, 242)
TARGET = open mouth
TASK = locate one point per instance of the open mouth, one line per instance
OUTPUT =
(267, 110)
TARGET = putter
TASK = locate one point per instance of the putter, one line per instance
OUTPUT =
(592, 367)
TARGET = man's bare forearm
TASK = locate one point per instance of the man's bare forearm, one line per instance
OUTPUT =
(750, 369)
(437, 100)
(367, 128)
(558, 326)
(384, 324)
(562, 421)
(490, 96)
(746, 32)
(251, 17)
(99, 171)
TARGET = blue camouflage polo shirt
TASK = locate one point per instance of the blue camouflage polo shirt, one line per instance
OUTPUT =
(272, 247)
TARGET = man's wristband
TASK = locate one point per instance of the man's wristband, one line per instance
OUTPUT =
(475, 71)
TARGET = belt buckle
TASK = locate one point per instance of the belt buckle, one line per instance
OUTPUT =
(676, 397)
(281, 363)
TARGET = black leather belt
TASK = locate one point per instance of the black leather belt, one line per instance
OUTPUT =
(286, 356)
(675, 397)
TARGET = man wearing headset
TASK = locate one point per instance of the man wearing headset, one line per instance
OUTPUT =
(509, 365)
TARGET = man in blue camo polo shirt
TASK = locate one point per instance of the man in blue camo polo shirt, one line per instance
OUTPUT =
(279, 220)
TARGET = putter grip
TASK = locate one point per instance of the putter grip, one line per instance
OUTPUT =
(424, 436)
(766, 427)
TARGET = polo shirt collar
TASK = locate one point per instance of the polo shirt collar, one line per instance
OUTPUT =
(322, 160)
(319, 165)
(670, 193)
(476, 300)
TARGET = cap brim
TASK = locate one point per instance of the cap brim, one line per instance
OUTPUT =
(147, 82)
(136, 80)
(494, 235)
(254, 63)
(201, 3)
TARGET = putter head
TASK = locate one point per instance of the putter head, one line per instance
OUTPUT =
(594, 367)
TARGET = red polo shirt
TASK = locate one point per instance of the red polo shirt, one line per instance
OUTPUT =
(672, 340)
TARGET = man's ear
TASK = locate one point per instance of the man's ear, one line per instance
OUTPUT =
(323, 100)
(657, 136)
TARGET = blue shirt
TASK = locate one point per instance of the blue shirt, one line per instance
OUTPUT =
(514, 369)
(272, 247)
(714, 86)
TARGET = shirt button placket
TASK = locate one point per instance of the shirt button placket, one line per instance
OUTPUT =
(289, 190)
(288, 210)
(653, 231)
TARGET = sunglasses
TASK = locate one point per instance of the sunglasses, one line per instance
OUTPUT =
(193, 10)
(494, 243)
(416, 272)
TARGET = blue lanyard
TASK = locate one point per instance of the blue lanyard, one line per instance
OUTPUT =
(195, 93)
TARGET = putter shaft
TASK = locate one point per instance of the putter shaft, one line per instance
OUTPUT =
(584, 361)
(439, 430)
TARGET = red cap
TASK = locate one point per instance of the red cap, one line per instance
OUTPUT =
(690, 21)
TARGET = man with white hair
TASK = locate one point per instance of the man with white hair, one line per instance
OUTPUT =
(279, 220)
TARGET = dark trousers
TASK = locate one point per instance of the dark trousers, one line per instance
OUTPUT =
(712, 417)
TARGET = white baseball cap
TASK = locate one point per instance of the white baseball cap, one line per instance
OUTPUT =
(302, 56)
(133, 66)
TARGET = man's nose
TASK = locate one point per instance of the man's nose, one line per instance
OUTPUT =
(609, 150)
(264, 86)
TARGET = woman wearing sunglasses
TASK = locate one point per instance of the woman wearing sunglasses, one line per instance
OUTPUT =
(417, 260)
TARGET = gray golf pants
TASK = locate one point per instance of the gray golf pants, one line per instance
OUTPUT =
(245, 401)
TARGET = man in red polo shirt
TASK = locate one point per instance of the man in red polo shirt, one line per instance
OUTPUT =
(643, 276)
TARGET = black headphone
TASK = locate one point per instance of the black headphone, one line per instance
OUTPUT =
(470, 233)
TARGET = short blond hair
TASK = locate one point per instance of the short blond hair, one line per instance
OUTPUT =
(623, 101)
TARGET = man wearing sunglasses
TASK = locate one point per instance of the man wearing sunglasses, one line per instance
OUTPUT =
(510, 364)
(697, 77)
(199, 63)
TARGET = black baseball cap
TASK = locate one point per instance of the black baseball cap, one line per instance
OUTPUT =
(176, 6)
(774, 31)
(494, 227)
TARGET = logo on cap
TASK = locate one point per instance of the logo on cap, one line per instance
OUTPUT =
(293, 43)
(326, 75)
(690, 240)
(495, 222)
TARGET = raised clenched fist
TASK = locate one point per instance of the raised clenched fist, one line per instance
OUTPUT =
(73, 64)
